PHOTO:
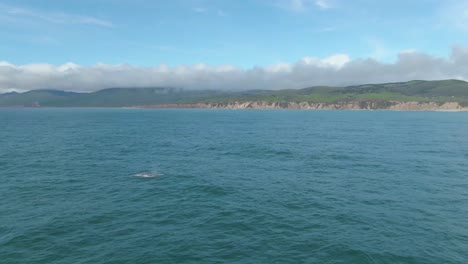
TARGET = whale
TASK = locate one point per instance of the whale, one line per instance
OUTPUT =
(146, 175)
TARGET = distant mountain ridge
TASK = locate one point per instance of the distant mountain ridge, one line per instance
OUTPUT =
(375, 95)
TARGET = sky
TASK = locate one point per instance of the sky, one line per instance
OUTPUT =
(88, 45)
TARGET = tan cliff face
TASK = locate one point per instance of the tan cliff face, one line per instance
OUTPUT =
(428, 106)
(351, 105)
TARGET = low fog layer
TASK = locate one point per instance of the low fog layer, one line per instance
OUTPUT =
(336, 70)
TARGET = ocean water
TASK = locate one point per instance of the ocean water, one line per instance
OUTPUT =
(220, 186)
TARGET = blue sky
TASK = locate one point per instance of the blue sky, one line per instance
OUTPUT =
(240, 33)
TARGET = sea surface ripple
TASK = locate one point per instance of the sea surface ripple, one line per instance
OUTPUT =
(232, 186)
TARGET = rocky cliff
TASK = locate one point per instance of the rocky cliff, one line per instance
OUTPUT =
(348, 105)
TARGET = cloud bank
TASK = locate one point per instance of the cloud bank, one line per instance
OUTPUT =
(336, 70)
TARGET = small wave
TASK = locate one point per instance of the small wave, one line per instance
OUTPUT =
(147, 175)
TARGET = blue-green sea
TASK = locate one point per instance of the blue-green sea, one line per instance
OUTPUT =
(221, 186)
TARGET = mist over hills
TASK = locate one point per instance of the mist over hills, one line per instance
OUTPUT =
(412, 91)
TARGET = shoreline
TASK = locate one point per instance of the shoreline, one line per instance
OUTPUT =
(262, 105)
(352, 105)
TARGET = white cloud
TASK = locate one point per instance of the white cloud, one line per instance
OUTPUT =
(338, 60)
(336, 70)
(323, 4)
(279, 67)
(18, 13)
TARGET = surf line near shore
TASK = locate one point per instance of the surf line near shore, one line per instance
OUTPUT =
(351, 105)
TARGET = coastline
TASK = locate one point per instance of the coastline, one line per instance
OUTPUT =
(352, 105)
(262, 105)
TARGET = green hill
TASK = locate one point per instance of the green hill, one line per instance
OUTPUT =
(419, 91)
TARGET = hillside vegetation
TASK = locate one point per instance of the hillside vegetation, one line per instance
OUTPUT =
(413, 91)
